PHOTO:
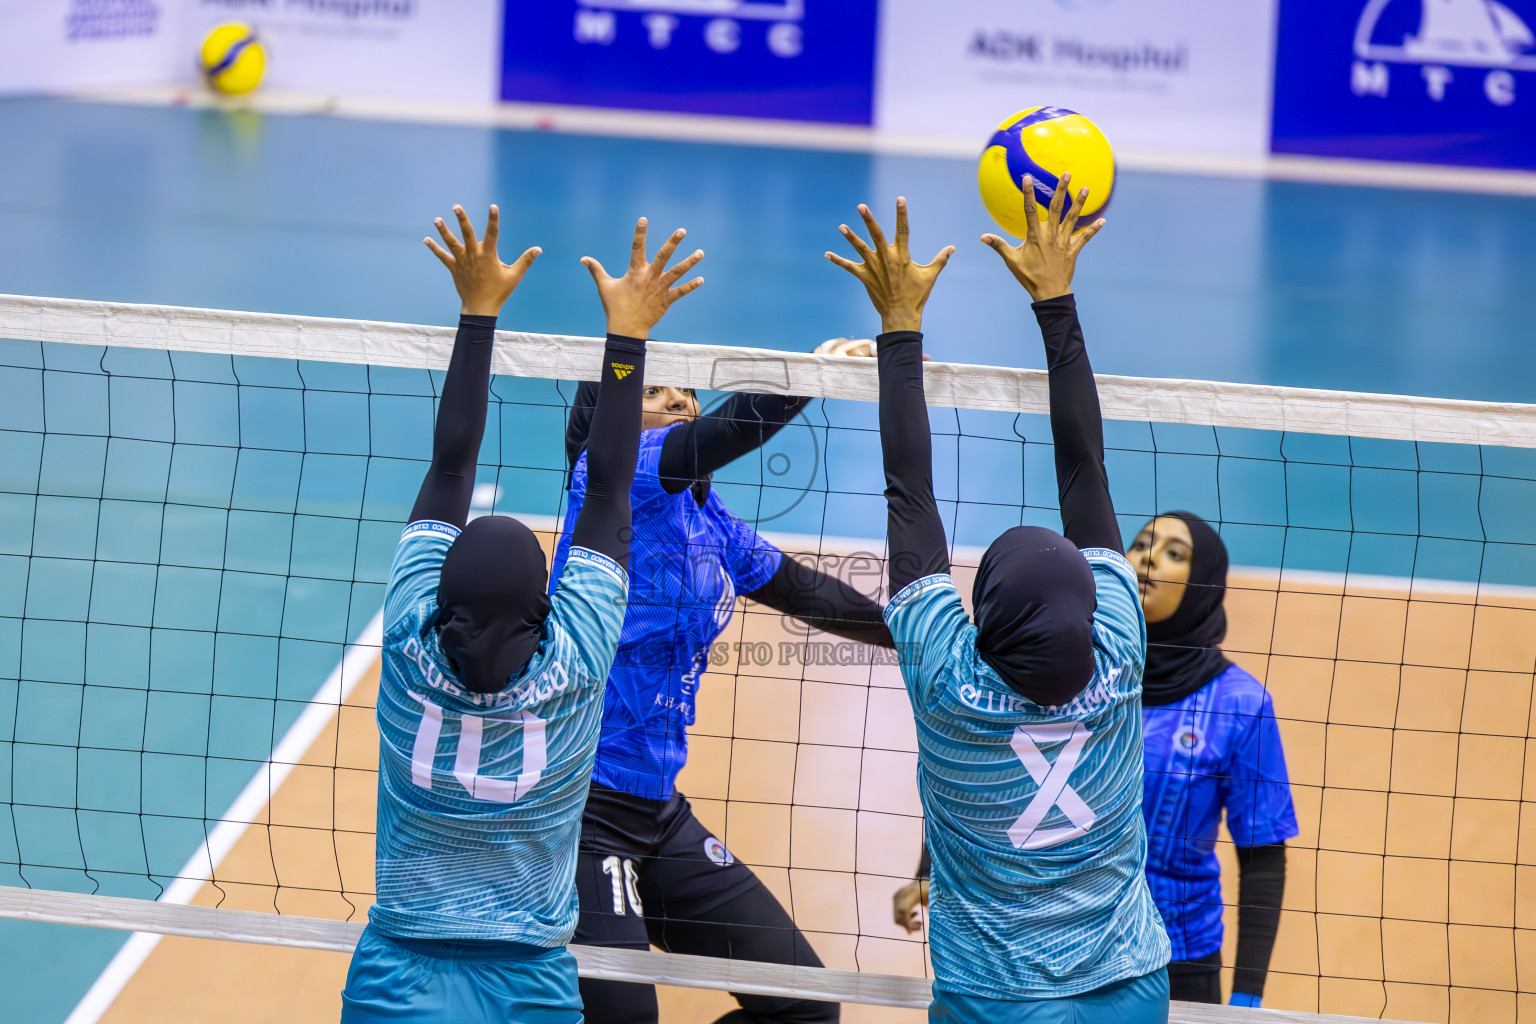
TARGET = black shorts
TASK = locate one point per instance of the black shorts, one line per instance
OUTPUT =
(649, 873)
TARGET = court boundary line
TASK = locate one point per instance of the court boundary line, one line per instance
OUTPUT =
(610, 964)
(724, 368)
(357, 659)
(668, 126)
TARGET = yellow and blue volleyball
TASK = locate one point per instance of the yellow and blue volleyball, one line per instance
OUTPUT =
(232, 59)
(1046, 142)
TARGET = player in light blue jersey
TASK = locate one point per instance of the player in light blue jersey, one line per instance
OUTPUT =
(1029, 718)
(490, 693)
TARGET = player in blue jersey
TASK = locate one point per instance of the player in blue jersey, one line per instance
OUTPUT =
(490, 693)
(649, 871)
(1028, 719)
(1211, 744)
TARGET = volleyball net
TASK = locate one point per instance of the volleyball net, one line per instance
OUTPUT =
(198, 510)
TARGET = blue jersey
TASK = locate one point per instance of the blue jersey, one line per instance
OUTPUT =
(1217, 748)
(1033, 813)
(687, 564)
(481, 794)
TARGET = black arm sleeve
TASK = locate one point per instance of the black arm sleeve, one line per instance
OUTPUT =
(914, 531)
(743, 423)
(924, 864)
(1260, 891)
(604, 523)
(825, 602)
(450, 481)
(1087, 514)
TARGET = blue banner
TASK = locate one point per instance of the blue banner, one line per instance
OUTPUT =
(1431, 81)
(809, 60)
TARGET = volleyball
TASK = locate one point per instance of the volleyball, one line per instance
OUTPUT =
(232, 58)
(1046, 142)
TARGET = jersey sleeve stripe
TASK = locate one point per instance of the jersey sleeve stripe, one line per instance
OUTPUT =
(430, 526)
(599, 561)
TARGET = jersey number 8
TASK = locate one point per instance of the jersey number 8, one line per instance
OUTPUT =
(466, 763)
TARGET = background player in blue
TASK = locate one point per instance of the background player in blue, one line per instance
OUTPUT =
(1212, 744)
(649, 872)
(1028, 720)
(490, 694)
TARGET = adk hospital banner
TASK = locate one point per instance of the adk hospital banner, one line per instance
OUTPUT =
(1434, 81)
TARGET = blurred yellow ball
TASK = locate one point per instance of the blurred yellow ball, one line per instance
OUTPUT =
(232, 59)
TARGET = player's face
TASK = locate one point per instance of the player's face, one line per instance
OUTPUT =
(662, 407)
(1160, 555)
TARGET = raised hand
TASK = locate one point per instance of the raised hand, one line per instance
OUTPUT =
(1045, 261)
(484, 282)
(637, 301)
(897, 286)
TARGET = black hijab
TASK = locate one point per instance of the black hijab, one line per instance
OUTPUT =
(1034, 598)
(1184, 650)
(492, 602)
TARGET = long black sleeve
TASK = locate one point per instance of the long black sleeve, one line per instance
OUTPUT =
(924, 863)
(741, 424)
(1260, 892)
(825, 602)
(914, 531)
(1087, 513)
(449, 485)
(605, 520)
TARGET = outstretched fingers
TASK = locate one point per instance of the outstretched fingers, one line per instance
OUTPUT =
(856, 269)
(492, 227)
(1082, 237)
(596, 269)
(441, 253)
(859, 245)
(1075, 210)
(637, 248)
(672, 276)
(903, 230)
(664, 254)
(940, 261)
(466, 228)
(1058, 198)
(523, 262)
(1031, 211)
(683, 289)
(875, 234)
(449, 238)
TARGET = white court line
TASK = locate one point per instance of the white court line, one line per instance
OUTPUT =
(356, 660)
(745, 131)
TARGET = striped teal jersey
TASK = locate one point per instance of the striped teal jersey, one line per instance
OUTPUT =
(1033, 813)
(481, 794)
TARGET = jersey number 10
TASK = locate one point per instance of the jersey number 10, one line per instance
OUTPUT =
(466, 763)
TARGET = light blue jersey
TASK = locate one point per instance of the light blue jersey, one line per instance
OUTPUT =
(1033, 813)
(481, 794)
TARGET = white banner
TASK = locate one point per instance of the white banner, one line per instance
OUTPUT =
(416, 49)
(56, 45)
(412, 49)
(1173, 76)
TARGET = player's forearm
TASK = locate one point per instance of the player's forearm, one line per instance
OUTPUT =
(744, 423)
(578, 424)
(1077, 429)
(450, 481)
(914, 531)
(1260, 893)
(604, 523)
(824, 602)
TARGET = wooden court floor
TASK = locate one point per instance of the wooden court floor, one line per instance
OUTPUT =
(1407, 718)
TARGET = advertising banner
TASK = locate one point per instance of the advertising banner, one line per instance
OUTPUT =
(1188, 76)
(1432, 81)
(51, 45)
(417, 49)
(810, 60)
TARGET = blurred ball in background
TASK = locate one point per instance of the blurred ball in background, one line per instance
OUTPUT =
(232, 59)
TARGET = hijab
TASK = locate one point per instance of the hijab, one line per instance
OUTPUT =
(1184, 650)
(492, 602)
(1034, 598)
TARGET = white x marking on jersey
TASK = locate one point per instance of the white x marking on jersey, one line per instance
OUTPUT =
(1051, 777)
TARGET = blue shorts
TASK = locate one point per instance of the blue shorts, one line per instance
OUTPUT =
(411, 980)
(1142, 1000)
